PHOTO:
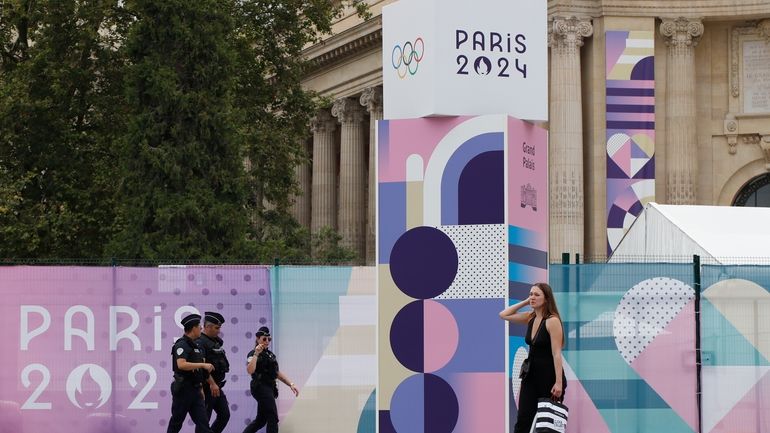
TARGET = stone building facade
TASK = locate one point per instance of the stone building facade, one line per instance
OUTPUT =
(712, 114)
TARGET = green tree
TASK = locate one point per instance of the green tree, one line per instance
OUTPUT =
(269, 40)
(154, 129)
(183, 192)
(57, 123)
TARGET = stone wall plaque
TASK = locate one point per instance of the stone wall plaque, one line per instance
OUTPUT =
(755, 76)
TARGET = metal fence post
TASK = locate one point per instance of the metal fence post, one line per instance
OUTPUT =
(698, 362)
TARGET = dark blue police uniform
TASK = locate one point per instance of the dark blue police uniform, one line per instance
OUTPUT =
(186, 389)
(264, 389)
(215, 355)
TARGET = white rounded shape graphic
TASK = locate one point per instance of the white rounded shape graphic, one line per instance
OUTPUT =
(99, 375)
(645, 311)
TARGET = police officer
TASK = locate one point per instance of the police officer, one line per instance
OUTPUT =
(209, 341)
(190, 372)
(263, 368)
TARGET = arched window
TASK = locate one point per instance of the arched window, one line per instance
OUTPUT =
(756, 193)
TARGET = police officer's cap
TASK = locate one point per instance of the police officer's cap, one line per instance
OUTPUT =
(263, 332)
(214, 317)
(191, 319)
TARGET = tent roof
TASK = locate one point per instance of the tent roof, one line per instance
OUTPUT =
(725, 234)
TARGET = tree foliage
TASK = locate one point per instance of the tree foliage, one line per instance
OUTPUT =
(182, 186)
(154, 129)
(57, 120)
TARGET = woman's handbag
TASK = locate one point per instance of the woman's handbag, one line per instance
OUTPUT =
(525, 365)
(551, 417)
(524, 369)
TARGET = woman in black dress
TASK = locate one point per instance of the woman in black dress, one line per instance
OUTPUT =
(545, 337)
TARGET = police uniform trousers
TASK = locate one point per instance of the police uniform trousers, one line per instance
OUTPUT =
(187, 398)
(267, 411)
(219, 406)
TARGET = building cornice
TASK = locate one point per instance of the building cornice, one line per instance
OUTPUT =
(714, 9)
(357, 39)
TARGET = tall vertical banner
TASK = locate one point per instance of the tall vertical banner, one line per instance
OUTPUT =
(462, 211)
(630, 60)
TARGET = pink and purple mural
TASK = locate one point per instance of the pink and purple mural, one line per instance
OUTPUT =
(463, 210)
(630, 60)
(90, 348)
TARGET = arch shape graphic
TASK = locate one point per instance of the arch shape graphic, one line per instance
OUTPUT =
(452, 141)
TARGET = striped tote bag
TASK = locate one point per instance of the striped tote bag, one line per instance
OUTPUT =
(551, 417)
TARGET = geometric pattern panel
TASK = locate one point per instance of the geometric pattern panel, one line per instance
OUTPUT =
(609, 309)
(736, 348)
(630, 117)
(645, 311)
(444, 264)
(443, 277)
(482, 259)
(334, 362)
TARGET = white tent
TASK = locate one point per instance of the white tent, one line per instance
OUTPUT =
(719, 234)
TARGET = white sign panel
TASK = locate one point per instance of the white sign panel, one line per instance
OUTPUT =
(756, 77)
(452, 57)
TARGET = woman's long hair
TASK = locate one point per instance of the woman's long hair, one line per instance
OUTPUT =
(549, 307)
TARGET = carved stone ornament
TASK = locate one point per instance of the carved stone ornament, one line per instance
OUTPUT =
(682, 32)
(731, 132)
(322, 122)
(371, 98)
(347, 110)
(764, 144)
(568, 33)
(761, 29)
(752, 139)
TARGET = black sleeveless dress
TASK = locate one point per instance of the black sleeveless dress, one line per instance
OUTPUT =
(540, 379)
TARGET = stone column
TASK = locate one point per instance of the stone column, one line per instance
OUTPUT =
(300, 210)
(682, 35)
(372, 100)
(351, 219)
(565, 37)
(324, 197)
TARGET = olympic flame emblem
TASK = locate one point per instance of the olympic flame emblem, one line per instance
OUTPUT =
(406, 59)
(98, 375)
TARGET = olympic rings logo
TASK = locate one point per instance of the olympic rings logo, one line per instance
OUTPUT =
(406, 59)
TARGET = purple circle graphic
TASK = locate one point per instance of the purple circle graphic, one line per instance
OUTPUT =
(423, 262)
(424, 403)
(406, 336)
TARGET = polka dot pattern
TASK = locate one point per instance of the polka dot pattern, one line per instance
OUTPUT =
(518, 359)
(482, 261)
(242, 295)
(645, 311)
